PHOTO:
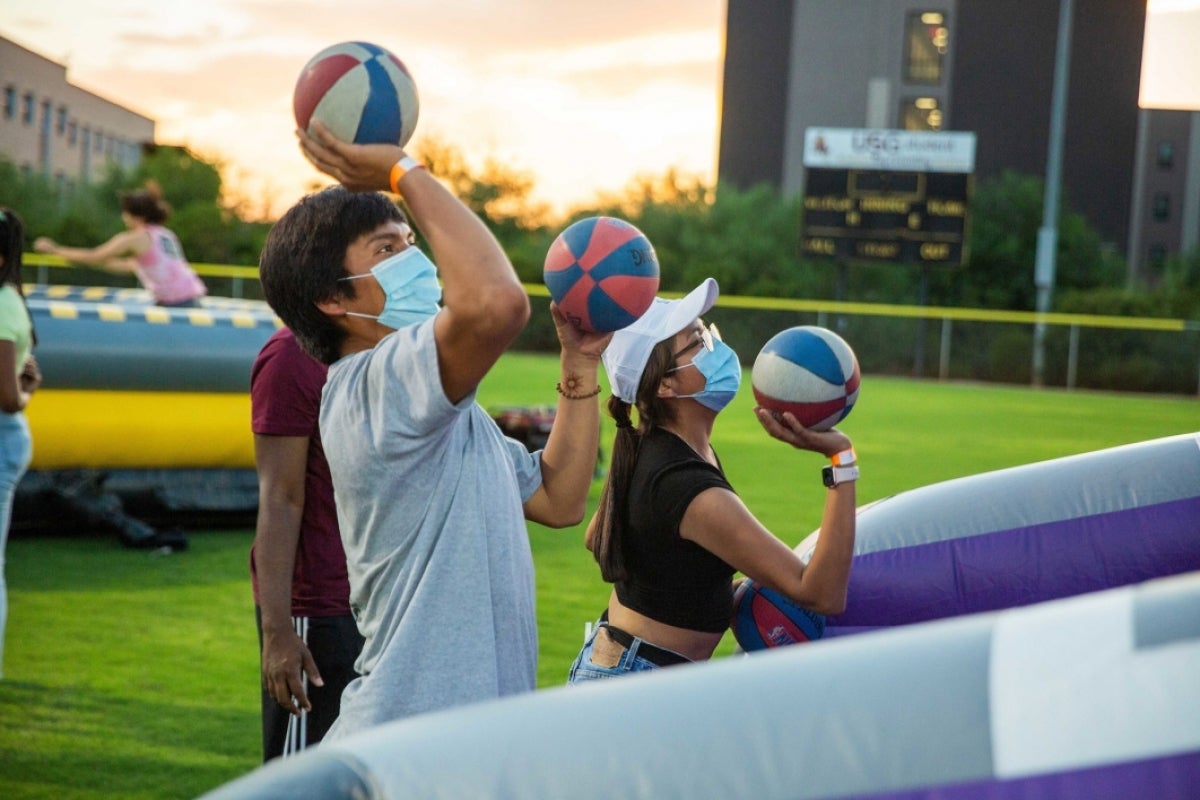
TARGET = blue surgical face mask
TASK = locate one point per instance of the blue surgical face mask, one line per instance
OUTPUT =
(410, 286)
(722, 375)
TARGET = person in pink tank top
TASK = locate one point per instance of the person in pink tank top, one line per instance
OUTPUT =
(145, 248)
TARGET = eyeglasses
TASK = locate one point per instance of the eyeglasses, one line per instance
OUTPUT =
(708, 335)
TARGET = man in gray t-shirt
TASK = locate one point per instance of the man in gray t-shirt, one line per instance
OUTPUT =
(432, 498)
(441, 581)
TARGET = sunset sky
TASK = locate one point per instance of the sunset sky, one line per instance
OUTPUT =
(1170, 62)
(584, 96)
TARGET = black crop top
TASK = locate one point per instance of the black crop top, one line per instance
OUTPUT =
(672, 580)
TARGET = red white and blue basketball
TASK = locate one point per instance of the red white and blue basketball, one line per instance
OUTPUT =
(809, 371)
(602, 272)
(361, 91)
(763, 618)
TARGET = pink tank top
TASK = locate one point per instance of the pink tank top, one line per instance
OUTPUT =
(165, 272)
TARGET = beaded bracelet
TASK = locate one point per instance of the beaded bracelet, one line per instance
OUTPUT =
(400, 169)
(559, 388)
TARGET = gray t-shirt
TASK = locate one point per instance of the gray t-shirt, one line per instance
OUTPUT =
(429, 499)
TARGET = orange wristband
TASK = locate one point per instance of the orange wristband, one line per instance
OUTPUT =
(400, 169)
(845, 458)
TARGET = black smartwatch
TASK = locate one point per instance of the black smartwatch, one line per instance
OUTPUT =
(833, 476)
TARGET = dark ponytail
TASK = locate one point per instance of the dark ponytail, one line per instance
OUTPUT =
(612, 514)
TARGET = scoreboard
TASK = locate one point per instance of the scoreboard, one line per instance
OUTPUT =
(897, 196)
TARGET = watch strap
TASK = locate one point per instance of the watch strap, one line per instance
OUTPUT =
(834, 476)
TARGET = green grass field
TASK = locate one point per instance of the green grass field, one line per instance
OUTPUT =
(130, 675)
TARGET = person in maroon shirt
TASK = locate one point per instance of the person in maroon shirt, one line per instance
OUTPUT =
(308, 636)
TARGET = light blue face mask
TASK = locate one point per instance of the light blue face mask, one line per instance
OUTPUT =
(410, 286)
(722, 375)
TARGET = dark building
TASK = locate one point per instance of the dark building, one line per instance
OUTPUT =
(984, 66)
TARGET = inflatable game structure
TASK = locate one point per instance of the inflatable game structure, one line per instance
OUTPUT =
(140, 405)
(1026, 633)
(1026, 534)
(144, 413)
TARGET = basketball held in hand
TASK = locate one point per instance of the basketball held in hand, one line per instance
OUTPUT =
(602, 272)
(811, 372)
(361, 91)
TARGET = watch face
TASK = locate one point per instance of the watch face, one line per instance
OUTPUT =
(827, 477)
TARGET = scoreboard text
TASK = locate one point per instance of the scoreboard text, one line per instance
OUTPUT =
(886, 215)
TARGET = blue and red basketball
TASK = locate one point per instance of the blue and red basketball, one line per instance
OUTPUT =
(362, 92)
(763, 618)
(602, 272)
(809, 371)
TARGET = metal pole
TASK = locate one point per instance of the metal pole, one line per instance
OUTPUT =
(923, 301)
(841, 293)
(944, 357)
(1047, 240)
(1073, 357)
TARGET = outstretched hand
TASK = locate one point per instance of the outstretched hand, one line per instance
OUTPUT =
(575, 339)
(358, 167)
(786, 428)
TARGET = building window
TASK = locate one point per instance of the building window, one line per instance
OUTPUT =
(1166, 155)
(1157, 255)
(10, 102)
(926, 40)
(60, 126)
(1162, 207)
(72, 133)
(27, 107)
(920, 114)
(98, 141)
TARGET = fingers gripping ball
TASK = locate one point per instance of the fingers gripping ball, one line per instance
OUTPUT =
(809, 371)
(763, 618)
(362, 92)
(602, 272)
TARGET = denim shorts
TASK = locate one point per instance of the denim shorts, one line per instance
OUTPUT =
(630, 660)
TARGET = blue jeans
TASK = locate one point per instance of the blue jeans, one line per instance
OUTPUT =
(16, 449)
(608, 659)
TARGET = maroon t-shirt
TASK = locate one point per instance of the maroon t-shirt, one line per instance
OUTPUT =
(285, 400)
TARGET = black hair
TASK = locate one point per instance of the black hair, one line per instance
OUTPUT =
(305, 255)
(12, 250)
(612, 514)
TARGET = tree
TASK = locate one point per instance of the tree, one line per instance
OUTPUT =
(501, 196)
(1006, 213)
(185, 178)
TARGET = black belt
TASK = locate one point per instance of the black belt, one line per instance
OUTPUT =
(652, 653)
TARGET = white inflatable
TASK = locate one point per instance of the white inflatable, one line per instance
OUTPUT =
(1091, 696)
(1023, 535)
